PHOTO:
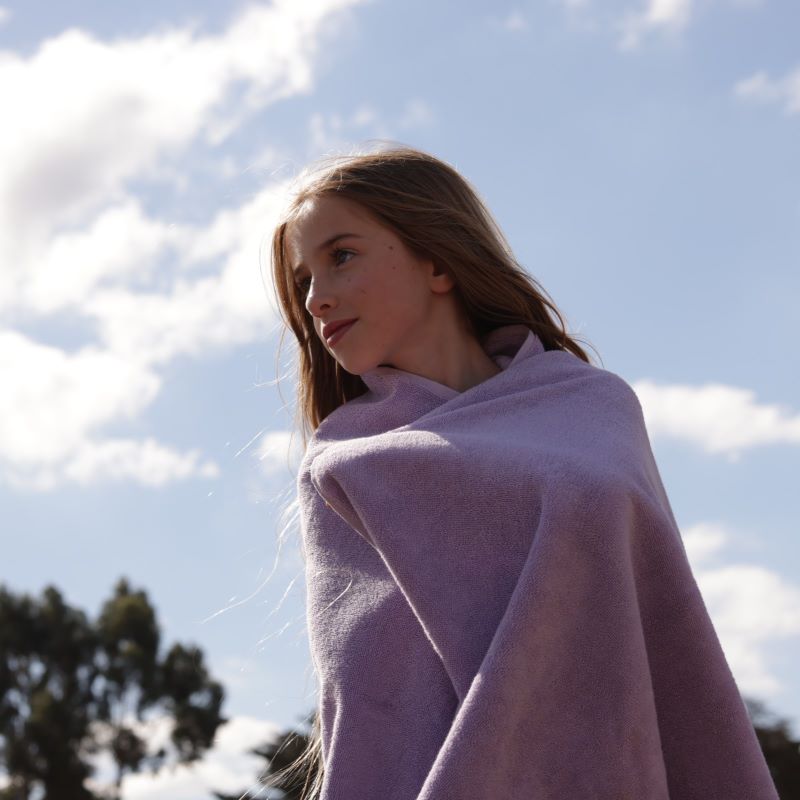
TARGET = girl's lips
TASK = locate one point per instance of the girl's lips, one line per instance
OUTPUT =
(339, 332)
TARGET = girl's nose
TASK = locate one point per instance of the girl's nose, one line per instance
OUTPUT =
(318, 298)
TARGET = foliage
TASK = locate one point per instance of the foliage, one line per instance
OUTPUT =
(781, 751)
(71, 688)
(284, 768)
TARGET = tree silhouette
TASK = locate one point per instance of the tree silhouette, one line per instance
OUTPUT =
(285, 768)
(71, 688)
(781, 751)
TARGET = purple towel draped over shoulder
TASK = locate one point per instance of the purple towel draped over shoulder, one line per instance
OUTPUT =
(499, 602)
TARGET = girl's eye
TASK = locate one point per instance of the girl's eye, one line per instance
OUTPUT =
(335, 255)
(337, 252)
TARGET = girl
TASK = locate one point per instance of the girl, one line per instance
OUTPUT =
(499, 601)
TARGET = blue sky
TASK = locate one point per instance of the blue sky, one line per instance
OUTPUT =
(641, 157)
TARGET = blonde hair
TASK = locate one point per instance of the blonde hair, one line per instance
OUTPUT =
(439, 216)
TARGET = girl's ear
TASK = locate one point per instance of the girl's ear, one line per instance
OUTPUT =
(439, 277)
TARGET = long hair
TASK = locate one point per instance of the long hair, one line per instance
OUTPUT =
(439, 216)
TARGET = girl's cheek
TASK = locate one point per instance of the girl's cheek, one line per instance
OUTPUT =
(357, 284)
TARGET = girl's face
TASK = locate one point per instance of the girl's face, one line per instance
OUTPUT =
(349, 266)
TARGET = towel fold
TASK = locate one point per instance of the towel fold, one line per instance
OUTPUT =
(499, 601)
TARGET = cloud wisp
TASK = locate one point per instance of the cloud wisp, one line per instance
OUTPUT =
(759, 87)
(663, 17)
(667, 16)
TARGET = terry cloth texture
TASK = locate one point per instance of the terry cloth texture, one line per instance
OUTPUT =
(499, 602)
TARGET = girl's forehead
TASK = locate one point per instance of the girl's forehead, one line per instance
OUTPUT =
(320, 217)
(324, 208)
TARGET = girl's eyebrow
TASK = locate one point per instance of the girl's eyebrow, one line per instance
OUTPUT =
(328, 243)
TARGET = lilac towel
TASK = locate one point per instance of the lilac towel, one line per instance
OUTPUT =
(499, 602)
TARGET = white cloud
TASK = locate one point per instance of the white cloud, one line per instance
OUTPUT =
(5, 15)
(197, 315)
(750, 606)
(119, 247)
(717, 418)
(55, 399)
(146, 462)
(54, 405)
(669, 17)
(759, 87)
(114, 273)
(703, 541)
(662, 15)
(226, 767)
(58, 402)
(91, 117)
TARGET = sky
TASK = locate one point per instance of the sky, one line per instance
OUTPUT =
(641, 157)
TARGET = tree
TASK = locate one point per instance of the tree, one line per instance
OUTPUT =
(285, 767)
(71, 688)
(781, 751)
